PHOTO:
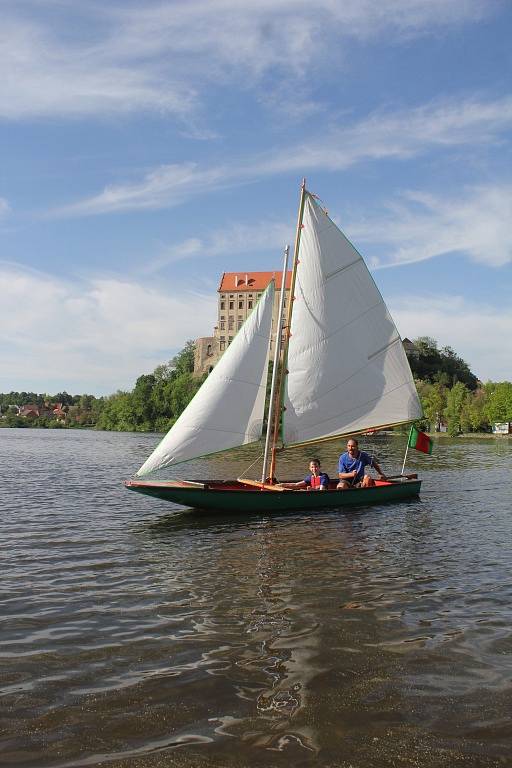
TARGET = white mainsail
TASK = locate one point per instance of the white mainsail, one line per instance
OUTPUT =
(227, 411)
(347, 367)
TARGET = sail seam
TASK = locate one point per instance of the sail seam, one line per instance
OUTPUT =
(346, 325)
(214, 429)
(241, 381)
(356, 373)
(383, 349)
(342, 269)
(362, 405)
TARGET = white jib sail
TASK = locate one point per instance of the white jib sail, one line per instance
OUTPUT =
(227, 411)
(347, 367)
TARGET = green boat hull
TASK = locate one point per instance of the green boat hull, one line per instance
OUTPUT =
(234, 497)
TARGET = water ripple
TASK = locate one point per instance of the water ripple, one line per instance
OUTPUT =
(131, 630)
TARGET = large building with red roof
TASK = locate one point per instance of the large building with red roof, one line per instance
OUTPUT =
(238, 294)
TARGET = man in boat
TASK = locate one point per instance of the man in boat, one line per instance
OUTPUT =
(315, 481)
(351, 468)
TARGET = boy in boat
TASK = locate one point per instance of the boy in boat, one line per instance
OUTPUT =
(315, 481)
(351, 468)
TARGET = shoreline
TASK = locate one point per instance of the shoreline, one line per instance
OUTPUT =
(469, 435)
(388, 433)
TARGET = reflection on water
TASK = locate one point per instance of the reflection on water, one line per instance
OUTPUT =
(134, 633)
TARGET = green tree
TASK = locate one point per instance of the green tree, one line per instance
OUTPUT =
(457, 409)
(184, 387)
(116, 414)
(175, 386)
(433, 400)
(499, 401)
(183, 362)
(62, 397)
(457, 369)
(11, 419)
(439, 365)
(163, 372)
(142, 410)
(84, 402)
(477, 411)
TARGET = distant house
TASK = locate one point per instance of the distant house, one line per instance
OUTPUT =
(58, 412)
(29, 411)
(410, 349)
(49, 410)
(502, 428)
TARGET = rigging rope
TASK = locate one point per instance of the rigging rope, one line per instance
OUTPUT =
(258, 458)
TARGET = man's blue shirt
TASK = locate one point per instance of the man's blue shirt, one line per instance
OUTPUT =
(348, 464)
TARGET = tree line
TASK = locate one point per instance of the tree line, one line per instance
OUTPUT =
(451, 396)
(153, 405)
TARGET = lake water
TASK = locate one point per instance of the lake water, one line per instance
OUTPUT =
(134, 633)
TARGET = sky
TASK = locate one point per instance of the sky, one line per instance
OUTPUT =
(146, 148)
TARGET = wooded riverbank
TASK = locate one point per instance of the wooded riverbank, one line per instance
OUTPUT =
(451, 396)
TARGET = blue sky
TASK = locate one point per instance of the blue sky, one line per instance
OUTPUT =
(147, 148)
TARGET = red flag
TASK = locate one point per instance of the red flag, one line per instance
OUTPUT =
(420, 441)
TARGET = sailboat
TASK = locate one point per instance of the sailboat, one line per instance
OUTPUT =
(340, 370)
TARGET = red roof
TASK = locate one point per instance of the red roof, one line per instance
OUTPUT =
(29, 409)
(251, 281)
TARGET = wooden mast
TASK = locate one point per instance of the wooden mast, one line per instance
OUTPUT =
(280, 387)
(272, 409)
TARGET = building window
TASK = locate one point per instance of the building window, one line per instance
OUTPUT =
(230, 323)
(209, 350)
(240, 323)
(240, 305)
(250, 295)
(231, 304)
(259, 295)
(231, 296)
(222, 325)
(230, 339)
(223, 305)
(222, 346)
(249, 304)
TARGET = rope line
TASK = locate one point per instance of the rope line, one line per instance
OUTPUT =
(258, 458)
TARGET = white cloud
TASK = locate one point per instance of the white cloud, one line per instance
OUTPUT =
(402, 134)
(95, 336)
(42, 75)
(399, 135)
(71, 60)
(236, 239)
(477, 332)
(420, 227)
(5, 208)
(100, 335)
(165, 186)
